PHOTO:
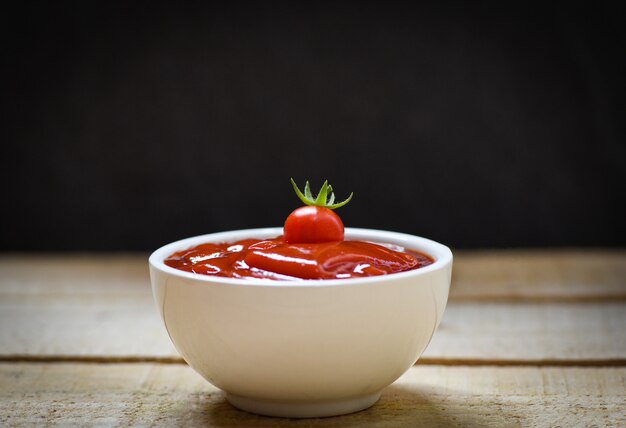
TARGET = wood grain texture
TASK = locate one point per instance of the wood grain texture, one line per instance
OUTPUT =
(103, 327)
(518, 328)
(81, 306)
(504, 274)
(539, 275)
(526, 331)
(166, 395)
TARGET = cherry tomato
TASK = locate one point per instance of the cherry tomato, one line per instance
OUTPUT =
(312, 224)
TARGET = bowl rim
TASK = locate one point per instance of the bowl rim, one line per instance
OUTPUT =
(441, 254)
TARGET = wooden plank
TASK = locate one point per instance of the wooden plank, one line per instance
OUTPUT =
(531, 332)
(82, 325)
(539, 275)
(168, 395)
(502, 274)
(105, 326)
(102, 307)
(79, 305)
(57, 275)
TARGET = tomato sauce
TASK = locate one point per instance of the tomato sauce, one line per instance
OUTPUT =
(274, 259)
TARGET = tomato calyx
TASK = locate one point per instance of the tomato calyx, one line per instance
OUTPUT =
(325, 198)
(315, 222)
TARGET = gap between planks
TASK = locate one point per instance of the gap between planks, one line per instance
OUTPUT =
(581, 299)
(475, 362)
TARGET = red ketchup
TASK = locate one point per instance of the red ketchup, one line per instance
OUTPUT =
(274, 259)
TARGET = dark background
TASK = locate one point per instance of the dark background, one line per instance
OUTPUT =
(479, 126)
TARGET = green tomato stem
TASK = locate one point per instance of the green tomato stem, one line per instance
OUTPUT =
(325, 198)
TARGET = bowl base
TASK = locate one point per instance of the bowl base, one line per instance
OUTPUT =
(303, 409)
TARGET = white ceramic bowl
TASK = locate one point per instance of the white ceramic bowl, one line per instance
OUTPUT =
(302, 348)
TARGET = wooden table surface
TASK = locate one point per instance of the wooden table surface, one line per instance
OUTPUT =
(529, 338)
